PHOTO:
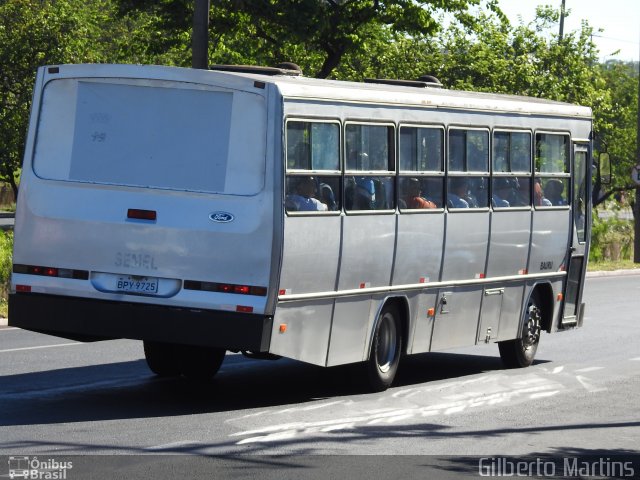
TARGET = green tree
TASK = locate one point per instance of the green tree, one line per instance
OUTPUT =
(618, 131)
(35, 33)
(317, 33)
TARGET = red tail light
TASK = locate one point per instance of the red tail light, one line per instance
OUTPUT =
(138, 214)
(225, 288)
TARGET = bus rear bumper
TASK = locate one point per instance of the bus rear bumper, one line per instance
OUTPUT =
(86, 319)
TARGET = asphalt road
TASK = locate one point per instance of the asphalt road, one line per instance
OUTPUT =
(579, 398)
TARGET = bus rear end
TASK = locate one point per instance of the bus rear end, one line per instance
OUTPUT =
(144, 209)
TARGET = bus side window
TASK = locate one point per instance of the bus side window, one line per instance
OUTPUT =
(369, 178)
(421, 161)
(313, 182)
(468, 154)
(552, 170)
(511, 169)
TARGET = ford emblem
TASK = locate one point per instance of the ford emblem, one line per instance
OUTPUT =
(221, 217)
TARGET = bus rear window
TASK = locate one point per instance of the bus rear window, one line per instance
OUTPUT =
(148, 134)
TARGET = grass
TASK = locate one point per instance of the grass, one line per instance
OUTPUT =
(609, 265)
(6, 248)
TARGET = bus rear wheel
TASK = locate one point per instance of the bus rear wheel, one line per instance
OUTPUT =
(162, 358)
(201, 363)
(386, 349)
(520, 352)
(172, 360)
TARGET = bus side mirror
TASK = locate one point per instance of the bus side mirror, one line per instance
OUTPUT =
(604, 168)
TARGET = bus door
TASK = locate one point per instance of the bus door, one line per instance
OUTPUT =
(579, 246)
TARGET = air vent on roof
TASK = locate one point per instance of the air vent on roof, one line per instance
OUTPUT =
(423, 82)
(286, 68)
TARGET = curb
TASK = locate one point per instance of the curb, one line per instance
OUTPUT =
(614, 273)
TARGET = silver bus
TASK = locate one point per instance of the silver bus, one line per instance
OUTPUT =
(253, 209)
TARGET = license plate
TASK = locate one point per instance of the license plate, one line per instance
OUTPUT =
(131, 284)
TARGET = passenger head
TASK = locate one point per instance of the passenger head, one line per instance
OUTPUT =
(553, 189)
(412, 187)
(504, 186)
(459, 186)
(306, 187)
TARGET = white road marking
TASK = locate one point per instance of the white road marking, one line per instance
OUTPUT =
(173, 445)
(39, 347)
(588, 385)
(531, 388)
(589, 369)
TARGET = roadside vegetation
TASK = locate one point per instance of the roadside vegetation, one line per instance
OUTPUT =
(6, 248)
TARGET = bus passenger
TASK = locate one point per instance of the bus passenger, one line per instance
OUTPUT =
(413, 196)
(458, 191)
(553, 191)
(502, 193)
(540, 200)
(303, 199)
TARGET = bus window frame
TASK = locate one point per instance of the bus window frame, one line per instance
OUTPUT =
(402, 175)
(545, 175)
(450, 175)
(391, 162)
(299, 173)
(512, 173)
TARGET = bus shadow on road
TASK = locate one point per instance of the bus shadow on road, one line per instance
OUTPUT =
(129, 390)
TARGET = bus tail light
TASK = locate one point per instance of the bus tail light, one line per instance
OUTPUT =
(43, 271)
(225, 288)
(23, 288)
(140, 214)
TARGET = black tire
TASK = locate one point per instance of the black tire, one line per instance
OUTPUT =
(386, 349)
(163, 358)
(520, 352)
(201, 363)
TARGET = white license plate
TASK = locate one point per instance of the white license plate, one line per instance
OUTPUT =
(131, 284)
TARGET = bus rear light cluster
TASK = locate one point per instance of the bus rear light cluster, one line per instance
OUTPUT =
(225, 288)
(51, 271)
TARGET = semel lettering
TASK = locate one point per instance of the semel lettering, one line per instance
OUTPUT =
(135, 260)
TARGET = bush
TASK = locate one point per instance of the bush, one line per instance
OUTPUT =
(6, 250)
(611, 239)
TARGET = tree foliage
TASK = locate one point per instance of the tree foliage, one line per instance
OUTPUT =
(468, 44)
(34, 33)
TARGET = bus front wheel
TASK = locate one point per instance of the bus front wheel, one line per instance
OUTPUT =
(520, 352)
(386, 348)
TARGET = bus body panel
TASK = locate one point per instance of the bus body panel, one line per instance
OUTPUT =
(457, 315)
(301, 330)
(549, 240)
(419, 248)
(509, 245)
(511, 311)
(466, 243)
(210, 237)
(353, 319)
(422, 322)
(368, 243)
(312, 252)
